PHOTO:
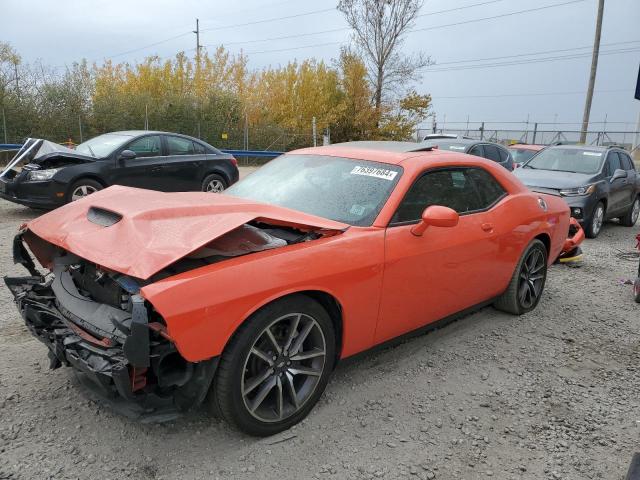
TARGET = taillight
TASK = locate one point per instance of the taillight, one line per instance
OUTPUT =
(234, 161)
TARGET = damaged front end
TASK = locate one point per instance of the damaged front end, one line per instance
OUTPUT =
(96, 322)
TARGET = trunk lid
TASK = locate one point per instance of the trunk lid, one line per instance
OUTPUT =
(139, 232)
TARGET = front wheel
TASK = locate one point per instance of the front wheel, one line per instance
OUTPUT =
(594, 224)
(526, 285)
(214, 183)
(83, 188)
(276, 366)
(631, 217)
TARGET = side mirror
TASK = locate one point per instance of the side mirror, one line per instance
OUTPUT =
(619, 173)
(437, 216)
(127, 155)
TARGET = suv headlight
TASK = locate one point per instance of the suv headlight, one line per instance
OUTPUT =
(41, 175)
(575, 192)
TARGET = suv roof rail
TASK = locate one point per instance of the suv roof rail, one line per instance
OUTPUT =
(616, 146)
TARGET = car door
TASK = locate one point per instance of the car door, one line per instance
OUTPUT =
(143, 171)
(618, 188)
(632, 178)
(184, 164)
(446, 270)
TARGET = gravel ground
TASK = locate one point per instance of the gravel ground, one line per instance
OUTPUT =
(552, 394)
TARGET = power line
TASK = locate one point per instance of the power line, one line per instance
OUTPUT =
(527, 61)
(294, 48)
(343, 29)
(497, 16)
(540, 94)
(533, 53)
(268, 20)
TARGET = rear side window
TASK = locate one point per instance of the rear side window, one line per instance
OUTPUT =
(492, 153)
(477, 151)
(627, 164)
(198, 148)
(465, 190)
(504, 155)
(146, 146)
(180, 146)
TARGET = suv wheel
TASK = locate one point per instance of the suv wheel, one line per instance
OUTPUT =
(593, 225)
(631, 217)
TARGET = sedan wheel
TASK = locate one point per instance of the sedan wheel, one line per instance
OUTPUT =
(82, 188)
(214, 184)
(82, 191)
(276, 366)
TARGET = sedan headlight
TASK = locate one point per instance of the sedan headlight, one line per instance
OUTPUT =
(575, 192)
(41, 175)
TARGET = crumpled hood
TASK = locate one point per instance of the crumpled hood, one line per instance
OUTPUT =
(552, 179)
(139, 232)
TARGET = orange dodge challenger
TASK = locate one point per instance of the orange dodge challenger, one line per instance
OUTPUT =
(247, 299)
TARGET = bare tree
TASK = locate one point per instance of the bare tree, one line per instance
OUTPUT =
(380, 27)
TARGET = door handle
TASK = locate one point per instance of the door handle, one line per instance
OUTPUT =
(156, 169)
(487, 227)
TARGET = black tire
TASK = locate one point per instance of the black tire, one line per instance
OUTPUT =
(511, 301)
(87, 185)
(630, 218)
(593, 226)
(214, 183)
(238, 359)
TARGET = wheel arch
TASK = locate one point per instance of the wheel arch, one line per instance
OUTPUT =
(217, 171)
(89, 176)
(546, 240)
(326, 300)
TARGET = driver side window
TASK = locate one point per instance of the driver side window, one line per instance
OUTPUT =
(465, 190)
(146, 146)
(613, 163)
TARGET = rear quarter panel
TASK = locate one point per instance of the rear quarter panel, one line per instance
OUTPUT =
(204, 307)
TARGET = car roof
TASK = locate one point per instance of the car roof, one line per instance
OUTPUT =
(581, 147)
(377, 151)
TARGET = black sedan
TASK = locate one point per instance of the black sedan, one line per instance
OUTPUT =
(598, 183)
(479, 148)
(46, 175)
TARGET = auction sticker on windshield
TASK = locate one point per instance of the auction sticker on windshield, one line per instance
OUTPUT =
(374, 172)
(593, 154)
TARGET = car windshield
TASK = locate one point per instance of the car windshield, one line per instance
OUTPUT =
(341, 189)
(103, 145)
(521, 155)
(576, 160)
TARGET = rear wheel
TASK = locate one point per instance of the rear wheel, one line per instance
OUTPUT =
(593, 225)
(631, 217)
(276, 367)
(83, 188)
(214, 183)
(527, 284)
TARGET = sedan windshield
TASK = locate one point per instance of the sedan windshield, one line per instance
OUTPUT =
(574, 160)
(103, 145)
(521, 155)
(341, 189)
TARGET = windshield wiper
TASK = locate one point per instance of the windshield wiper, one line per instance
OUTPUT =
(529, 166)
(568, 171)
(91, 151)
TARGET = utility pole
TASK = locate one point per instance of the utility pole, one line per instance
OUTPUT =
(15, 69)
(592, 76)
(313, 129)
(4, 125)
(198, 46)
(80, 127)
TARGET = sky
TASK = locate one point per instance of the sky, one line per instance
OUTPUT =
(456, 34)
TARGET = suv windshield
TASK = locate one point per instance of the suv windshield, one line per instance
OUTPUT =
(574, 160)
(102, 145)
(521, 155)
(341, 189)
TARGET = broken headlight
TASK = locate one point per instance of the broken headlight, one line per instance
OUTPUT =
(41, 175)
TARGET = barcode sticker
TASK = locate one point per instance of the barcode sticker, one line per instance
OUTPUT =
(374, 172)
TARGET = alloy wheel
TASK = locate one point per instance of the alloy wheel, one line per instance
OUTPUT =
(636, 211)
(82, 191)
(283, 367)
(215, 186)
(598, 220)
(532, 277)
